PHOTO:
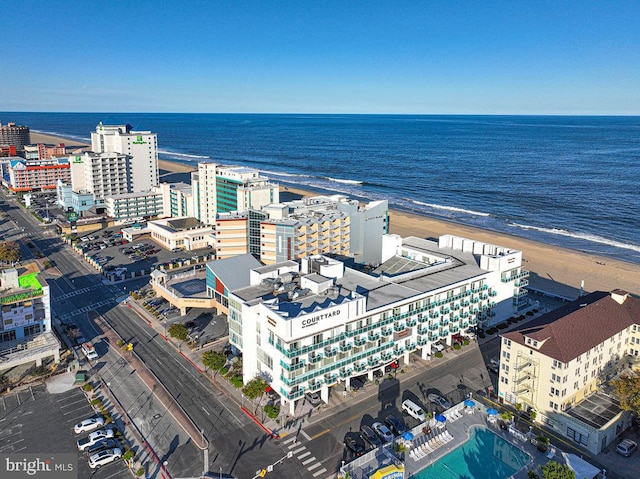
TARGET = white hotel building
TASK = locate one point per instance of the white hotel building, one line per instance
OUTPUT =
(308, 325)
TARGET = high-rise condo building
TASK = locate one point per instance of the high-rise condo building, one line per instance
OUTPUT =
(14, 135)
(221, 189)
(140, 145)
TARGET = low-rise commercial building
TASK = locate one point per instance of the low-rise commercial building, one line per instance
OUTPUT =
(181, 233)
(25, 319)
(556, 364)
(133, 206)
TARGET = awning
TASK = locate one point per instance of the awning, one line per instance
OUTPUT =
(389, 472)
(582, 468)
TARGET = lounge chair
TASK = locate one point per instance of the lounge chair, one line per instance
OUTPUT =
(552, 453)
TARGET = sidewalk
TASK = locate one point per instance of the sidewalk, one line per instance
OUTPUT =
(305, 413)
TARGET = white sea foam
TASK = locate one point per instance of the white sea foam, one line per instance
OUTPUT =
(280, 173)
(449, 208)
(346, 182)
(184, 155)
(583, 236)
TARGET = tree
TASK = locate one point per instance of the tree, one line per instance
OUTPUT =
(254, 389)
(9, 251)
(627, 389)
(178, 331)
(555, 470)
(213, 360)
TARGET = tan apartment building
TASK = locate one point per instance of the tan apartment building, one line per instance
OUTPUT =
(232, 235)
(558, 362)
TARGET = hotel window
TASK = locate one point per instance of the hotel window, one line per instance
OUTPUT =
(557, 364)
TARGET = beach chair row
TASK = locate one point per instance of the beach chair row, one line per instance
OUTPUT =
(430, 446)
(453, 415)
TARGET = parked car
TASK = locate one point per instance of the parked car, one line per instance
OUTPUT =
(94, 437)
(313, 398)
(354, 445)
(356, 384)
(367, 434)
(413, 410)
(89, 424)
(437, 347)
(494, 365)
(102, 445)
(396, 425)
(626, 447)
(391, 366)
(378, 373)
(383, 431)
(104, 457)
(437, 399)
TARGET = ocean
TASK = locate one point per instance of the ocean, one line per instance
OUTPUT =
(565, 181)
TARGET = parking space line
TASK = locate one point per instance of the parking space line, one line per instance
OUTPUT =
(12, 444)
(9, 435)
(82, 399)
(70, 396)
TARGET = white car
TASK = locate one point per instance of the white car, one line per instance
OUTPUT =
(436, 399)
(94, 437)
(89, 424)
(104, 457)
(383, 431)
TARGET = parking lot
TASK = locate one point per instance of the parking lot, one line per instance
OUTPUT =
(30, 418)
(124, 258)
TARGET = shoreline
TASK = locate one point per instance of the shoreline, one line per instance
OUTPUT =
(554, 269)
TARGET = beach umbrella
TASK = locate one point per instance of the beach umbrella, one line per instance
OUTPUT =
(407, 435)
(440, 418)
(492, 412)
(469, 403)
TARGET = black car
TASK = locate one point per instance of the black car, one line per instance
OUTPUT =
(354, 445)
(102, 445)
(356, 384)
(378, 374)
(367, 434)
(396, 425)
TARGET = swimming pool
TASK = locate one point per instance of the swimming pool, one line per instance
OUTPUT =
(484, 456)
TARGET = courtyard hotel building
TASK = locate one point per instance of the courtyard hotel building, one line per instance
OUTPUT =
(310, 324)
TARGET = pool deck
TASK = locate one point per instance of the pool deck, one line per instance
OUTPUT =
(443, 438)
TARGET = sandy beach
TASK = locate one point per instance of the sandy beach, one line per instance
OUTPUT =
(553, 269)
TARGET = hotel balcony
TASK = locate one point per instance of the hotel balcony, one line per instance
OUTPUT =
(373, 361)
(345, 372)
(358, 367)
(398, 350)
(399, 327)
(434, 337)
(386, 356)
(411, 322)
(444, 322)
(386, 331)
(434, 315)
(520, 293)
(292, 395)
(455, 307)
(493, 294)
(423, 341)
(423, 318)
(359, 341)
(513, 277)
(422, 330)
(292, 367)
(521, 283)
(374, 336)
(346, 347)
(330, 351)
(314, 358)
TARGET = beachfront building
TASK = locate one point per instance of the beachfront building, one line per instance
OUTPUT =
(8, 151)
(42, 151)
(310, 324)
(556, 363)
(102, 174)
(302, 235)
(25, 318)
(37, 175)
(221, 189)
(140, 205)
(177, 199)
(185, 234)
(14, 135)
(231, 236)
(141, 148)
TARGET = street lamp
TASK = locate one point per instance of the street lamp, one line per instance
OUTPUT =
(220, 472)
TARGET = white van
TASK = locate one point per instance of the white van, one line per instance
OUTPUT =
(413, 410)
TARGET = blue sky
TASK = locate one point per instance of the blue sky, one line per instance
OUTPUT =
(477, 57)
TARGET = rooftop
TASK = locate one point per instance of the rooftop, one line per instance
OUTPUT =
(596, 410)
(579, 326)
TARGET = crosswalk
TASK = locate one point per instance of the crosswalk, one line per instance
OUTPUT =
(306, 458)
(83, 310)
(77, 292)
